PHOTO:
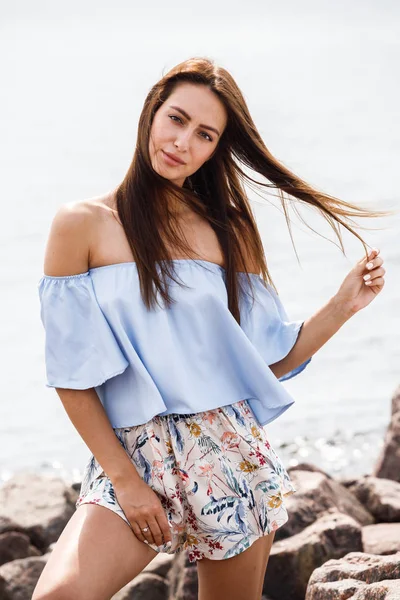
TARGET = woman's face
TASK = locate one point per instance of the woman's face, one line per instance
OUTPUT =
(188, 125)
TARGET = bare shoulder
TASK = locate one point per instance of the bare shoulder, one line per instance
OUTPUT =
(72, 217)
(68, 245)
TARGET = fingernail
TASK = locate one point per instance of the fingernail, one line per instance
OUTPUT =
(368, 282)
(367, 277)
(169, 544)
(369, 265)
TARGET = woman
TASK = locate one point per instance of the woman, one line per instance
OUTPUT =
(167, 344)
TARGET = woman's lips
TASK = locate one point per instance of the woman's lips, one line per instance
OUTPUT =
(169, 160)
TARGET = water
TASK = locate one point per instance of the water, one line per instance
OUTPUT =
(320, 83)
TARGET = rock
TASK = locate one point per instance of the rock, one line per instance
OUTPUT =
(355, 576)
(182, 577)
(308, 467)
(20, 577)
(396, 401)
(3, 593)
(381, 497)
(383, 590)
(347, 482)
(76, 486)
(41, 505)
(146, 586)
(317, 494)
(383, 538)
(160, 565)
(388, 463)
(7, 524)
(293, 559)
(15, 545)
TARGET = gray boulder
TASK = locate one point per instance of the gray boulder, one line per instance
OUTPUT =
(146, 586)
(308, 467)
(19, 577)
(383, 538)
(41, 505)
(396, 401)
(152, 583)
(388, 463)
(293, 559)
(182, 578)
(383, 590)
(160, 565)
(381, 497)
(357, 576)
(15, 545)
(316, 495)
(7, 524)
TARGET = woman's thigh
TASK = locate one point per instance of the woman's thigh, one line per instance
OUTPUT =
(95, 556)
(238, 578)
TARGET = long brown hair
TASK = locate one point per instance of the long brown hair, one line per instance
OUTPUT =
(216, 191)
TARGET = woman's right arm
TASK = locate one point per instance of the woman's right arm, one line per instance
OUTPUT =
(67, 253)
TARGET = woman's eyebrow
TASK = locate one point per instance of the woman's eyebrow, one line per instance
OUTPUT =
(184, 113)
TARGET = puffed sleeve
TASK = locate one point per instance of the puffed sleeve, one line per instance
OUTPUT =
(81, 350)
(269, 327)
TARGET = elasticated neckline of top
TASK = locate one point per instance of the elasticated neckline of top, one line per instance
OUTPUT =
(184, 262)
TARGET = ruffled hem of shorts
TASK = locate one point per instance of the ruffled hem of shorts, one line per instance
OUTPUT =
(194, 554)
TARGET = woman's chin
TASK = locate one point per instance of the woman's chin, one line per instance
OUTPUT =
(166, 174)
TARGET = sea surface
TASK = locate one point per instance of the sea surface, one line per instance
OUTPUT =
(321, 82)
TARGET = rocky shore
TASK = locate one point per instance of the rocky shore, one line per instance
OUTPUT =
(342, 540)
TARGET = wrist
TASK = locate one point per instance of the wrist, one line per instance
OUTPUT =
(122, 476)
(341, 310)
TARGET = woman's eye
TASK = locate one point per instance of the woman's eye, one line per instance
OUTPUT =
(209, 138)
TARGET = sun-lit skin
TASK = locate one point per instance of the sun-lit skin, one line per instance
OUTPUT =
(174, 133)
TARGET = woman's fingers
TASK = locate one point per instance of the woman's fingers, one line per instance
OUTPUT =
(138, 532)
(372, 257)
(375, 271)
(155, 531)
(152, 529)
(372, 276)
(156, 534)
(143, 509)
(375, 281)
(373, 263)
(374, 252)
(148, 534)
(372, 268)
(164, 526)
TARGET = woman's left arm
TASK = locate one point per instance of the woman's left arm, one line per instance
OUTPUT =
(362, 284)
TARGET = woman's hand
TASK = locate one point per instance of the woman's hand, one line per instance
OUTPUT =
(143, 508)
(362, 284)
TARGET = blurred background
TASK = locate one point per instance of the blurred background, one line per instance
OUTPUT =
(321, 80)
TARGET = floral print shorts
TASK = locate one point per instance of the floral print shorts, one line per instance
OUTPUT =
(219, 481)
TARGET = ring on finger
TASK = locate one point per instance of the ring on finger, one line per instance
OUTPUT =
(147, 533)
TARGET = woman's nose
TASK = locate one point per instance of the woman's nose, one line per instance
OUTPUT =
(182, 141)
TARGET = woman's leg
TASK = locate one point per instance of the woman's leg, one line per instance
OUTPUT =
(95, 556)
(238, 578)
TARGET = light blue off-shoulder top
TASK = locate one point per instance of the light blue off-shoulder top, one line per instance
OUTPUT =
(190, 357)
